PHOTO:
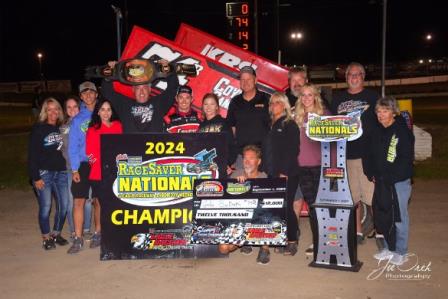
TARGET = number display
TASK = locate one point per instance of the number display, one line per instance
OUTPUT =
(238, 15)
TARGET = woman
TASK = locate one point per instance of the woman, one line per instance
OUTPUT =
(104, 121)
(71, 109)
(214, 123)
(309, 157)
(280, 150)
(393, 156)
(48, 172)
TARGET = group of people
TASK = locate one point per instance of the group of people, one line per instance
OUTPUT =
(265, 136)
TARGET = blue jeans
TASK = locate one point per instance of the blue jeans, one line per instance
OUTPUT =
(87, 209)
(403, 189)
(55, 183)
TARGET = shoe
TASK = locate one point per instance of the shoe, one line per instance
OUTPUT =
(398, 259)
(76, 246)
(95, 241)
(380, 243)
(263, 256)
(291, 249)
(246, 250)
(48, 244)
(359, 239)
(58, 239)
(310, 250)
(383, 254)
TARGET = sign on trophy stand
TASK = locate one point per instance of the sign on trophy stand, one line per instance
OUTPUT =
(334, 236)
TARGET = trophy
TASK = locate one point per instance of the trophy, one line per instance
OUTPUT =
(138, 71)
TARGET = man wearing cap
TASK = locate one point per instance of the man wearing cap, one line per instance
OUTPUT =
(80, 167)
(248, 113)
(181, 118)
(145, 113)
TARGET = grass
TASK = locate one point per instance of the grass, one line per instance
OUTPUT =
(13, 149)
(15, 119)
(429, 113)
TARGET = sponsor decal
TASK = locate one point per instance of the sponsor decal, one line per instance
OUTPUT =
(161, 240)
(209, 188)
(333, 172)
(334, 128)
(237, 188)
(162, 181)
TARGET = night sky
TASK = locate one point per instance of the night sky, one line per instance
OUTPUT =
(74, 34)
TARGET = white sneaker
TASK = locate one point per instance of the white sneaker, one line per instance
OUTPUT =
(310, 250)
(383, 254)
(398, 259)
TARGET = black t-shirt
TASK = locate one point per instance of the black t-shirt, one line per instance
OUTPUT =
(344, 103)
(250, 119)
(147, 117)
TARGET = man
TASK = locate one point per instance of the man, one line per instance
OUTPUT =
(248, 113)
(250, 170)
(356, 97)
(297, 77)
(181, 118)
(81, 169)
(145, 113)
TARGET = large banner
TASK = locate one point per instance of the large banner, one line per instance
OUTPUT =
(232, 56)
(249, 213)
(148, 180)
(212, 76)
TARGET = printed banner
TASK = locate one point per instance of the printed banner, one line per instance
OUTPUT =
(334, 128)
(212, 76)
(148, 180)
(249, 213)
(231, 55)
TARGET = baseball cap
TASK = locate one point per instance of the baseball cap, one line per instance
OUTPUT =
(249, 70)
(87, 85)
(184, 89)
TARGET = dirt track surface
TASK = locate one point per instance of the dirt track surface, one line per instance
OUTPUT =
(30, 272)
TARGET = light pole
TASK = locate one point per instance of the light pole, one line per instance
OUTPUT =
(383, 51)
(39, 58)
(118, 17)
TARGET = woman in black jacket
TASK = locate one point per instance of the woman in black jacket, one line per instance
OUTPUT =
(280, 151)
(47, 169)
(391, 170)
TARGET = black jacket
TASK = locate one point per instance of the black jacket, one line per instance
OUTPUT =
(281, 148)
(391, 153)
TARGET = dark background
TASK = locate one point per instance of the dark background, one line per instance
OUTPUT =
(74, 34)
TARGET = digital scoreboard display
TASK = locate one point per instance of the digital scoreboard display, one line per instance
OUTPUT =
(240, 24)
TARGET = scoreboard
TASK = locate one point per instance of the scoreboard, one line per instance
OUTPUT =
(240, 24)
